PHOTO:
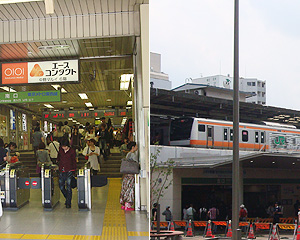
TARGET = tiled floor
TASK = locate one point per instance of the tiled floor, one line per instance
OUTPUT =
(104, 222)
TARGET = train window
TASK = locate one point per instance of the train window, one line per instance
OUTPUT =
(245, 136)
(256, 137)
(231, 134)
(209, 131)
(225, 134)
(262, 137)
(201, 128)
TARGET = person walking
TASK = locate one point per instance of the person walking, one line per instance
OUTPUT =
(124, 149)
(213, 214)
(277, 213)
(168, 216)
(58, 132)
(66, 130)
(37, 139)
(92, 152)
(53, 150)
(184, 211)
(76, 141)
(127, 190)
(103, 140)
(190, 216)
(42, 157)
(67, 167)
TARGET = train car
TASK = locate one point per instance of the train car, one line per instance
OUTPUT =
(209, 133)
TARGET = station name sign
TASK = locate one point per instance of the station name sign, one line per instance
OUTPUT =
(40, 72)
(30, 97)
(88, 114)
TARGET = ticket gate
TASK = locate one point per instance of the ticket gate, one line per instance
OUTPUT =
(50, 186)
(84, 189)
(15, 192)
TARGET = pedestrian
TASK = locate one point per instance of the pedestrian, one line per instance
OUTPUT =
(103, 139)
(190, 216)
(66, 130)
(184, 211)
(203, 214)
(76, 141)
(123, 148)
(213, 214)
(243, 213)
(154, 212)
(277, 213)
(53, 150)
(168, 215)
(67, 167)
(3, 153)
(58, 132)
(92, 152)
(127, 190)
(42, 157)
(37, 139)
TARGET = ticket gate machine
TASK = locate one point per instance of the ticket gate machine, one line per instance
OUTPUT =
(14, 190)
(50, 186)
(84, 188)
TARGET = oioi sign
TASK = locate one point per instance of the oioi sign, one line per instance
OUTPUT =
(40, 72)
(30, 97)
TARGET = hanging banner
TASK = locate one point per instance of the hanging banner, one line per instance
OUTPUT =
(30, 97)
(40, 72)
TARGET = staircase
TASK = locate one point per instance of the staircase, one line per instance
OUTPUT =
(109, 168)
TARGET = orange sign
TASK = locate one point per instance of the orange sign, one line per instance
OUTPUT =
(14, 73)
(36, 71)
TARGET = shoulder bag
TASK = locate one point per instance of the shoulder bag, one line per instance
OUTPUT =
(129, 166)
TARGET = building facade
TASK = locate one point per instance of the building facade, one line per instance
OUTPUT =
(252, 85)
(158, 79)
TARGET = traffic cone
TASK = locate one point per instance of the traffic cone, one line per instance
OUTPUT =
(298, 233)
(208, 233)
(274, 235)
(251, 232)
(189, 232)
(172, 228)
(229, 231)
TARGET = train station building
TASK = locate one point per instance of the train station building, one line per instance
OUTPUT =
(77, 62)
(202, 175)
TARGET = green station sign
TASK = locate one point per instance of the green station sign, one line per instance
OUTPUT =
(30, 97)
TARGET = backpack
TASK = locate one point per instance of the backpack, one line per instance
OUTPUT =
(243, 213)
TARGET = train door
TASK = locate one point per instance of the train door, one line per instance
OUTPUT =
(256, 140)
(263, 141)
(210, 137)
(226, 137)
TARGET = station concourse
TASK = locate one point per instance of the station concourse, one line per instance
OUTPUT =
(77, 62)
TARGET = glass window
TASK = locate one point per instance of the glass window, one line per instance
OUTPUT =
(201, 128)
(249, 83)
(262, 137)
(225, 134)
(181, 129)
(256, 137)
(253, 83)
(245, 136)
(231, 134)
(209, 131)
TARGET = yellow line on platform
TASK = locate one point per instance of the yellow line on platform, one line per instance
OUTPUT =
(114, 223)
(11, 236)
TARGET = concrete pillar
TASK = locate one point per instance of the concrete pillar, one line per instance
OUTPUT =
(142, 102)
(241, 185)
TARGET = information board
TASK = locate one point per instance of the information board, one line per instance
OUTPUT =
(30, 97)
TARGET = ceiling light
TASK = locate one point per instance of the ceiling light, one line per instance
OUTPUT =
(294, 163)
(71, 108)
(8, 89)
(273, 162)
(125, 80)
(64, 101)
(63, 90)
(60, 47)
(74, 121)
(251, 161)
(53, 47)
(48, 105)
(88, 104)
(70, 119)
(129, 102)
(109, 106)
(108, 100)
(97, 118)
(55, 110)
(128, 107)
(83, 96)
(91, 109)
(56, 87)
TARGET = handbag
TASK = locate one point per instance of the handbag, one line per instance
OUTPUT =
(73, 182)
(129, 166)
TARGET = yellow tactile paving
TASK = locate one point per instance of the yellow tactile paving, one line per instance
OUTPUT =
(11, 236)
(34, 236)
(138, 234)
(114, 224)
(60, 237)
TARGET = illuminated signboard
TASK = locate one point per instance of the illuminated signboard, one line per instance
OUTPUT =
(30, 97)
(40, 72)
(87, 114)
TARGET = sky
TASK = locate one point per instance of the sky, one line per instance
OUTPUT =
(195, 38)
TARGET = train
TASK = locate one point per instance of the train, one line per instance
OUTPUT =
(218, 134)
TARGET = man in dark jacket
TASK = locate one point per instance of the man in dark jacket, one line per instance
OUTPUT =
(67, 167)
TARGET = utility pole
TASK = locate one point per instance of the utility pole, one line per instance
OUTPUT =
(235, 163)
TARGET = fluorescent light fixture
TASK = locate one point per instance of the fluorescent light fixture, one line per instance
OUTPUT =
(17, 1)
(63, 90)
(128, 107)
(8, 89)
(83, 96)
(70, 119)
(48, 105)
(129, 102)
(74, 121)
(88, 104)
(125, 80)
(71, 108)
(55, 110)
(109, 106)
(91, 109)
(59, 47)
(56, 86)
(64, 101)
(108, 100)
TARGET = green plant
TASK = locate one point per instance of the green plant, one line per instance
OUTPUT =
(160, 173)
